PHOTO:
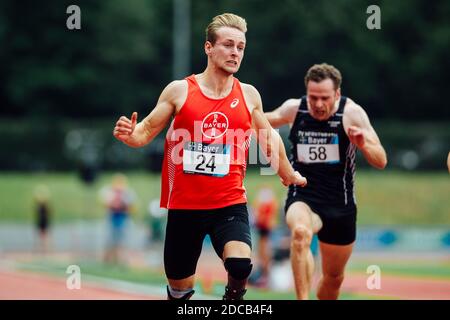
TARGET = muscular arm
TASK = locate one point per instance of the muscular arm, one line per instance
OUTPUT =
(270, 141)
(362, 134)
(284, 114)
(139, 134)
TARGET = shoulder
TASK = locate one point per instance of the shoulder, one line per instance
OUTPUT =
(286, 113)
(250, 90)
(292, 103)
(175, 93)
(354, 114)
(252, 97)
(176, 87)
(352, 109)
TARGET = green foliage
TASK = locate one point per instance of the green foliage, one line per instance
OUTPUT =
(105, 68)
(122, 57)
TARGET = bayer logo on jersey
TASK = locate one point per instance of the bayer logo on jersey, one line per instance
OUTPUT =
(214, 125)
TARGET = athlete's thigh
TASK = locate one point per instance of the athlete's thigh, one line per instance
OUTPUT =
(299, 213)
(183, 243)
(339, 224)
(334, 257)
(230, 232)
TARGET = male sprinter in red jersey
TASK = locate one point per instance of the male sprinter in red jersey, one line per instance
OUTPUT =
(205, 160)
(326, 129)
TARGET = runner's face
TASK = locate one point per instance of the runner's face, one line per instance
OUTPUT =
(228, 51)
(321, 98)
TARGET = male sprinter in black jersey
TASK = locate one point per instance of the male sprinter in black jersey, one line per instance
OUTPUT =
(326, 129)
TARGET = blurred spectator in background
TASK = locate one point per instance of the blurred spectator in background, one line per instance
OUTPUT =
(119, 199)
(265, 210)
(88, 173)
(42, 211)
(157, 218)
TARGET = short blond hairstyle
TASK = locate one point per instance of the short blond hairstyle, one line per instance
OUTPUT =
(224, 20)
(320, 72)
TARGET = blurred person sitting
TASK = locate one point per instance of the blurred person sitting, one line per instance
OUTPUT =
(119, 199)
(42, 211)
(265, 210)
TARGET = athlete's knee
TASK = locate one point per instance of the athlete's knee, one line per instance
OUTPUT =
(317, 223)
(301, 237)
(333, 280)
(238, 268)
(238, 271)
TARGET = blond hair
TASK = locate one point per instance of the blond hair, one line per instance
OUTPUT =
(320, 72)
(224, 20)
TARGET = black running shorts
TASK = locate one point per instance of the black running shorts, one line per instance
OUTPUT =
(186, 230)
(339, 221)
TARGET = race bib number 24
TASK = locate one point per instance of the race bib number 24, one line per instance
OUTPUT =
(206, 159)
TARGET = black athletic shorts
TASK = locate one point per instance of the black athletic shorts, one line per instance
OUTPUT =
(339, 221)
(186, 230)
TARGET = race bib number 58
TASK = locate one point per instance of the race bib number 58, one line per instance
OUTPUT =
(314, 153)
(206, 159)
(319, 149)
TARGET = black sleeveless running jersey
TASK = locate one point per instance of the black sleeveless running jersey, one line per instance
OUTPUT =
(323, 154)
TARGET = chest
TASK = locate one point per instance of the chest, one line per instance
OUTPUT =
(318, 141)
(213, 118)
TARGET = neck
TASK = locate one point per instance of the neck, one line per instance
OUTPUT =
(215, 83)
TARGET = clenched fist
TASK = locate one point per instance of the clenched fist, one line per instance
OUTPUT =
(356, 136)
(296, 179)
(125, 127)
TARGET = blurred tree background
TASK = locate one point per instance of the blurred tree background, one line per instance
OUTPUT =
(62, 90)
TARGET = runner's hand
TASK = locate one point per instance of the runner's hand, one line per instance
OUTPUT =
(125, 127)
(356, 136)
(296, 179)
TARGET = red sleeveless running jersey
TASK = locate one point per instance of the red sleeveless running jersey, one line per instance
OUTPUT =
(205, 152)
